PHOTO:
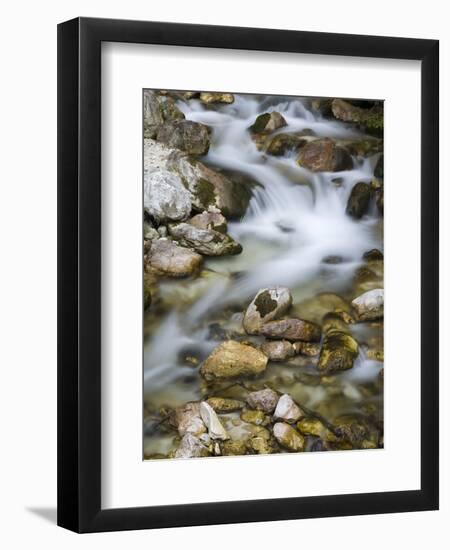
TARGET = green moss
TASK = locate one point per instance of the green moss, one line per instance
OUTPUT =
(260, 123)
(205, 192)
(264, 303)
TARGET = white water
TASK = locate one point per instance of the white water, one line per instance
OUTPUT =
(295, 219)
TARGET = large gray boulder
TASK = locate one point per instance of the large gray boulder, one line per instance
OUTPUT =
(165, 197)
(207, 187)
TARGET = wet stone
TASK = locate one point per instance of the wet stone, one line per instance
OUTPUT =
(264, 400)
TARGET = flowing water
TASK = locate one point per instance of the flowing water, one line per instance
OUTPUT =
(295, 220)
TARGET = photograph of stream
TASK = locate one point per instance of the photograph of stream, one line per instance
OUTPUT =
(263, 274)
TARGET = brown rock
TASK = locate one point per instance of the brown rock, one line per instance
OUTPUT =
(232, 359)
(263, 400)
(167, 258)
(323, 155)
(292, 329)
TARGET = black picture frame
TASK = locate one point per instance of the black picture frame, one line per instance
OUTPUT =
(79, 274)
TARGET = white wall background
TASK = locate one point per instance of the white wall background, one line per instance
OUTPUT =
(28, 274)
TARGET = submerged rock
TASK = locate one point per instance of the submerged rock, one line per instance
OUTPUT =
(333, 321)
(268, 304)
(310, 426)
(263, 400)
(187, 419)
(167, 258)
(186, 135)
(232, 359)
(316, 307)
(212, 422)
(210, 220)
(216, 97)
(287, 409)
(292, 329)
(205, 241)
(191, 447)
(253, 417)
(288, 437)
(158, 110)
(283, 143)
(370, 305)
(323, 155)
(165, 197)
(268, 122)
(357, 431)
(339, 350)
(359, 200)
(278, 350)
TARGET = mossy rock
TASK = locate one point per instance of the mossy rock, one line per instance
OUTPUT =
(339, 350)
(224, 405)
(371, 119)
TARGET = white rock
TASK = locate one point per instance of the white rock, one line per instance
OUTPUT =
(165, 196)
(287, 409)
(187, 419)
(212, 422)
(370, 305)
(267, 305)
(190, 447)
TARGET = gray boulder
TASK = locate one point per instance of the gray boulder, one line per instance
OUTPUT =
(207, 187)
(165, 197)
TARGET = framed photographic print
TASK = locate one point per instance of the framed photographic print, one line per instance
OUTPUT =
(248, 232)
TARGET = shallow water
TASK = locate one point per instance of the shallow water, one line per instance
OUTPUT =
(295, 219)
